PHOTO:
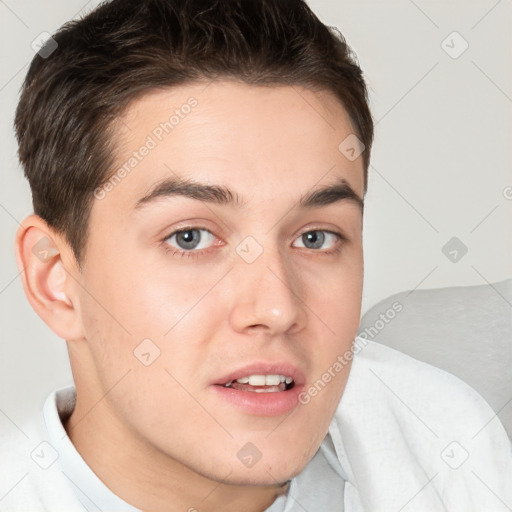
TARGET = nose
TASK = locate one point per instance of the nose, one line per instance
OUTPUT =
(267, 296)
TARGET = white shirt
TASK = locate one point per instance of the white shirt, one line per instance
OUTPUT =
(405, 436)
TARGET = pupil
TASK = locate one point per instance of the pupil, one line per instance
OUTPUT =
(188, 239)
(316, 238)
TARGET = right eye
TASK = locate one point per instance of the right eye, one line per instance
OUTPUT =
(190, 239)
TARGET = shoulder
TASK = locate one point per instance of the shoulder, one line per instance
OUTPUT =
(403, 425)
(405, 383)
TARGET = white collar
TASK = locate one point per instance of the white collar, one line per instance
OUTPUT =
(90, 490)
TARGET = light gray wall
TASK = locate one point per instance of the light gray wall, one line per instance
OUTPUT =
(441, 160)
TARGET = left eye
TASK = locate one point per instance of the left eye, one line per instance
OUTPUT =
(190, 239)
(315, 239)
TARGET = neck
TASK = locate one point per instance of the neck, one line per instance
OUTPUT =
(149, 479)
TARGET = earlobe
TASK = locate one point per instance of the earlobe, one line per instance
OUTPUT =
(46, 281)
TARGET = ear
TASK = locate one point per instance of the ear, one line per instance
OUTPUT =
(49, 272)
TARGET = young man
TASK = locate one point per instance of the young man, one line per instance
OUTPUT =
(198, 172)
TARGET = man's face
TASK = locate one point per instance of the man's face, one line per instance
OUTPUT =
(260, 281)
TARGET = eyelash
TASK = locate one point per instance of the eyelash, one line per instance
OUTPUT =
(196, 254)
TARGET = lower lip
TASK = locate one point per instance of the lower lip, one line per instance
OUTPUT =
(272, 403)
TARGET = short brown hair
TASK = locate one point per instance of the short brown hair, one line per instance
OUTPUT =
(105, 60)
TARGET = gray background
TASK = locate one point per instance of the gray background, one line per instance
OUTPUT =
(440, 164)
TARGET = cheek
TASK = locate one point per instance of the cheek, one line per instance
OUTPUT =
(334, 295)
(337, 307)
(164, 312)
(142, 298)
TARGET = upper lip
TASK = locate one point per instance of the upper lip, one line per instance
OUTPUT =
(264, 368)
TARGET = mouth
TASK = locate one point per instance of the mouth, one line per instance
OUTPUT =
(272, 383)
(262, 389)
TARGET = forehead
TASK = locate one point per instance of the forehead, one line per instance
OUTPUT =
(264, 143)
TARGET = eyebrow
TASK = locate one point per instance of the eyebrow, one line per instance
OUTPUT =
(221, 195)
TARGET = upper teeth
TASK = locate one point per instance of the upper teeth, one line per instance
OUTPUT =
(264, 380)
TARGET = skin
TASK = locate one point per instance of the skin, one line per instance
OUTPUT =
(158, 435)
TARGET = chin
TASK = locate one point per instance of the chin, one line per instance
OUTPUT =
(257, 479)
(266, 474)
